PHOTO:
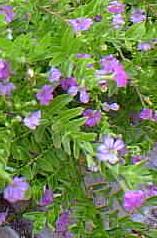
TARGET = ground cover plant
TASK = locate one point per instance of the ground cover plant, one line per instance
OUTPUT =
(78, 118)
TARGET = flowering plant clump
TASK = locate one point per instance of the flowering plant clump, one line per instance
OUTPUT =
(78, 118)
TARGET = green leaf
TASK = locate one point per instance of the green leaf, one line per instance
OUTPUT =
(135, 174)
(57, 140)
(65, 120)
(152, 201)
(70, 114)
(59, 103)
(66, 144)
(75, 124)
(46, 162)
(152, 233)
(83, 136)
(39, 132)
(76, 149)
(136, 31)
(87, 146)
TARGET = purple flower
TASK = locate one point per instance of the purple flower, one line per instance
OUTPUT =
(47, 198)
(137, 15)
(92, 167)
(54, 75)
(146, 114)
(99, 200)
(81, 24)
(73, 90)
(8, 12)
(47, 233)
(100, 74)
(32, 120)
(133, 199)
(116, 7)
(109, 63)
(154, 116)
(152, 158)
(106, 107)
(84, 96)
(98, 18)
(136, 159)
(123, 151)
(120, 76)
(147, 216)
(150, 191)
(103, 85)
(109, 149)
(93, 117)
(144, 46)
(68, 235)
(118, 21)
(16, 190)
(68, 82)
(63, 222)
(4, 70)
(83, 56)
(45, 95)
(6, 88)
(113, 106)
(137, 217)
(3, 216)
(90, 180)
(90, 66)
